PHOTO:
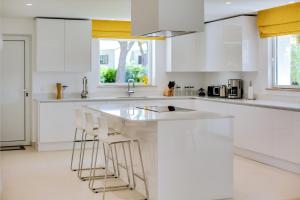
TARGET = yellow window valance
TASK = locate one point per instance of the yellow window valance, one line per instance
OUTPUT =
(115, 30)
(283, 20)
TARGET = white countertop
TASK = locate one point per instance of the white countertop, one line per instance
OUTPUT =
(258, 103)
(120, 98)
(135, 114)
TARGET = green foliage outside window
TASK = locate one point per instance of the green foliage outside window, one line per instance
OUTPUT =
(295, 65)
(108, 75)
(135, 72)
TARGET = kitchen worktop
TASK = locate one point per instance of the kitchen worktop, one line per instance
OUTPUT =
(138, 114)
(119, 98)
(257, 103)
(281, 105)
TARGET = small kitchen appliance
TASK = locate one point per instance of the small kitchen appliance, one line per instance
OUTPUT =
(223, 91)
(235, 89)
(213, 91)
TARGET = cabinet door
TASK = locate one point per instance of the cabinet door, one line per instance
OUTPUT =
(214, 46)
(78, 45)
(50, 45)
(224, 45)
(185, 53)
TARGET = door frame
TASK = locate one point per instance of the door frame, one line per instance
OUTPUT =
(27, 85)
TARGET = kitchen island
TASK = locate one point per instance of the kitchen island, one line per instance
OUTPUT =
(187, 154)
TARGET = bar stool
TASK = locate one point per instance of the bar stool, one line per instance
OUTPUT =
(110, 141)
(80, 123)
(79, 127)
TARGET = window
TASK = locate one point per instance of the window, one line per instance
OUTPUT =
(286, 67)
(121, 60)
(104, 59)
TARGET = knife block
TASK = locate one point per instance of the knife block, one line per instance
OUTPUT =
(169, 92)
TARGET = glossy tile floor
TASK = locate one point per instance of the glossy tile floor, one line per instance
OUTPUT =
(30, 175)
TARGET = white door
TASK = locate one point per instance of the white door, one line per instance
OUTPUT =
(14, 96)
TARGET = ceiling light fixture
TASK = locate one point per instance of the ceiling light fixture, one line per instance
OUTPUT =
(228, 2)
(28, 4)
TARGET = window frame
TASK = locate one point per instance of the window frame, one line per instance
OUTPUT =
(274, 67)
(151, 70)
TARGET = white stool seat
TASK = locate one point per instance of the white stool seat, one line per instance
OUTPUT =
(95, 131)
(115, 139)
(103, 135)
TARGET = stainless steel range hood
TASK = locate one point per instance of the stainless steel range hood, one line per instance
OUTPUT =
(168, 18)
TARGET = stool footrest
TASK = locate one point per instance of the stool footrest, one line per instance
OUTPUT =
(85, 140)
(111, 188)
(97, 177)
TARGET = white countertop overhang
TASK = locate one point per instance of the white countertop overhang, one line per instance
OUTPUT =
(131, 113)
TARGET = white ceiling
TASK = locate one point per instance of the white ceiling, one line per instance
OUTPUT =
(120, 9)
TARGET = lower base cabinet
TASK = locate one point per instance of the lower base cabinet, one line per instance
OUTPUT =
(268, 132)
(271, 132)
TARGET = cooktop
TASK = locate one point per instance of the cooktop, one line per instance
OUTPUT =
(161, 109)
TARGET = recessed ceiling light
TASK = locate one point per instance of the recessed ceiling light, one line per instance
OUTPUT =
(228, 2)
(28, 4)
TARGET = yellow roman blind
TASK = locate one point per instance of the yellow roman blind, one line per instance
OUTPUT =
(115, 30)
(283, 20)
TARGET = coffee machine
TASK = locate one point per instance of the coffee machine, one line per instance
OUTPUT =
(235, 89)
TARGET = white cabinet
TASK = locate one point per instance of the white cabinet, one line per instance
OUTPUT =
(226, 45)
(185, 53)
(232, 45)
(77, 46)
(57, 122)
(265, 131)
(50, 45)
(63, 45)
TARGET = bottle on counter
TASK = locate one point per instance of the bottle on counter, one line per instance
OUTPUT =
(192, 91)
(177, 90)
(250, 91)
(186, 90)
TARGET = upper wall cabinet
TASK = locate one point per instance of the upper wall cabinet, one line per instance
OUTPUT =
(185, 53)
(63, 45)
(226, 45)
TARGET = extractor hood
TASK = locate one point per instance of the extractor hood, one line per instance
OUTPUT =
(168, 18)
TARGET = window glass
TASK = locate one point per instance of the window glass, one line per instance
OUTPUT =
(121, 60)
(287, 61)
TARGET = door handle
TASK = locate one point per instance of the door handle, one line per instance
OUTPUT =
(26, 92)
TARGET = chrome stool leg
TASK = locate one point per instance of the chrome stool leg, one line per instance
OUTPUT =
(107, 175)
(74, 144)
(131, 165)
(143, 169)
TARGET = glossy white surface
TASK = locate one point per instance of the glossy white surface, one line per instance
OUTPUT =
(63, 45)
(281, 105)
(195, 159)
(257, 103)
(135, 114)
(226, 45)
(272, 136)
(50, 45)
(181, 156)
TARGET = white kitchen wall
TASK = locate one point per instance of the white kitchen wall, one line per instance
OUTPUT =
(43, 83)
(261, 78)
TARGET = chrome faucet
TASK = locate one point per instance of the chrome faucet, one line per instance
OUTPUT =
(130, 87)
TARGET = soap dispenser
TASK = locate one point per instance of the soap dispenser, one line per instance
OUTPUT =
(250, 91)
